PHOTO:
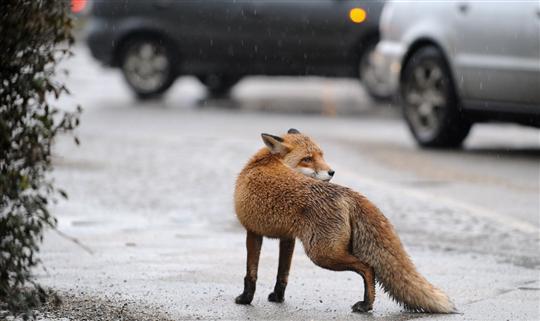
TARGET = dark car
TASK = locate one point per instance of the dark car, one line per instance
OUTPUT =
(219, 42)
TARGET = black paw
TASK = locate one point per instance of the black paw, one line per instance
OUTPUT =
(362, 307)
(274, 297)
(243, 299)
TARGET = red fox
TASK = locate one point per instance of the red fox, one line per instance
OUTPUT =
(283, 192)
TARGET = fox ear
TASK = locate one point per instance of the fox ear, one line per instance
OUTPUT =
(293, 131)
(275, 144)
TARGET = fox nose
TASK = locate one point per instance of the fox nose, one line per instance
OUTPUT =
(331, 172)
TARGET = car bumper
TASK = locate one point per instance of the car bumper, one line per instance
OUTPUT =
(387, 60)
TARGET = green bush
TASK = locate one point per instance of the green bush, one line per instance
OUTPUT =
(35, 36)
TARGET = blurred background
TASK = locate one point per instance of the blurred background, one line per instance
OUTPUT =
(428, 108)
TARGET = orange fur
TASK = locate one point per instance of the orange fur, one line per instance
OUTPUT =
(339, 228)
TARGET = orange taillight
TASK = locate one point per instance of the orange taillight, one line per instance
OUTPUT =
(357, 15)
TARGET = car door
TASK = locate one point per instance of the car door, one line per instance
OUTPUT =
(303, 37)
(497, 51)
(209, 34)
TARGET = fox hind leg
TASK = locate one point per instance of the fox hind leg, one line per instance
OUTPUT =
(253, 245)
(368, 274)
(286, 249)
(343, 261)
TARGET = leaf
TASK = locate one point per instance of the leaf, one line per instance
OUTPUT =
(63, 193)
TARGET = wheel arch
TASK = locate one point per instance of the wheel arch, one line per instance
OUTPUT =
(360, 46)
(429, 42)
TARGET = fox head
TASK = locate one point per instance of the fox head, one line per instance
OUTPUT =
(300, 153)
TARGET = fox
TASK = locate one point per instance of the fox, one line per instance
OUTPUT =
(284, 192)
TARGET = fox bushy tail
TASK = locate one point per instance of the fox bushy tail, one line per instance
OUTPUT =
(379, 246)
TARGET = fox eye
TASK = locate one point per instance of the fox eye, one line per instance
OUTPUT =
(307, 159)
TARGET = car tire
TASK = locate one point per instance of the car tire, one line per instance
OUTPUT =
(148, 65)
(430, 103)
(377, 88)
(218, 86)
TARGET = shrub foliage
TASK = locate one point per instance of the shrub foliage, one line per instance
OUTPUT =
(35, 37)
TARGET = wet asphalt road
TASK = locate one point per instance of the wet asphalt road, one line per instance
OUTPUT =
(151, 196)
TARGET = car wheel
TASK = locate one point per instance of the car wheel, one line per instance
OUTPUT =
(148, 67)
(430, 102)
(218, 86)
(376, 87)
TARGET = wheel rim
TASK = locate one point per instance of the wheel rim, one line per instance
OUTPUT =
(371, 78)
(426, 99)
(146, 66)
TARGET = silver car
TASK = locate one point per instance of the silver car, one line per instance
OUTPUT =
(455, 63)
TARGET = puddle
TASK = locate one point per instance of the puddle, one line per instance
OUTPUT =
(425, 183)
(87, 223)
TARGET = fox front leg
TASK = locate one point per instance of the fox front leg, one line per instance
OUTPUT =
(253, 245)
(286, 249)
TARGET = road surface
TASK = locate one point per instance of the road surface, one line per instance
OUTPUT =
(151, 197)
